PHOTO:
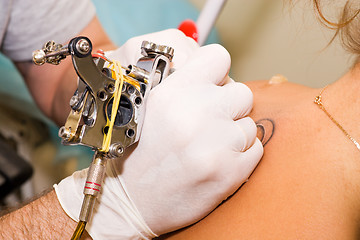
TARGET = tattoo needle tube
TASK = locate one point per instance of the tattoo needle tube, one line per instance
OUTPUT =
(92, 189)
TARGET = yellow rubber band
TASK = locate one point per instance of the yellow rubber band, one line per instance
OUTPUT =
(119, 81)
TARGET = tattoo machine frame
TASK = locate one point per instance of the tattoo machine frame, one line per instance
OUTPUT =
(108, 107)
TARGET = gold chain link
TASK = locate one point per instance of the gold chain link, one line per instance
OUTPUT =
(318, 101)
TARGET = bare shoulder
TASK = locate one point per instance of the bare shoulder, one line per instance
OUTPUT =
(305, 187)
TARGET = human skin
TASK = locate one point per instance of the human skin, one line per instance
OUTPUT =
(307, 183)
(41, 219)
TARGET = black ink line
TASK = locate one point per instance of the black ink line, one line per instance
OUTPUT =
(266, 129)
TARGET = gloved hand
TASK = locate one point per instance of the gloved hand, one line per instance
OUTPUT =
(196, 148)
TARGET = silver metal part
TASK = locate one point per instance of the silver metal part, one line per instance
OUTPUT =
(83, 46)
(157, 66)
(51, 53)
(116, 150)
(91, 105)
(149, 48)
(110, 87)
(95, 175)
(39, 57)
(137, 73)
(74, 100)
(92, 189)
(102, 95)
(64, 133)
(87, 208)
(89, 113)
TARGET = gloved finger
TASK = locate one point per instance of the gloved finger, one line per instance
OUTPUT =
(248, 160)
(244, 135)
(237, 98)
(209, 64)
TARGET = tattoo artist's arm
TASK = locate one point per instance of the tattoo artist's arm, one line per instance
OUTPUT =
(52, 86)
(41, 219)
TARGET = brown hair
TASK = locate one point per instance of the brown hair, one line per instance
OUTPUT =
(347, 27)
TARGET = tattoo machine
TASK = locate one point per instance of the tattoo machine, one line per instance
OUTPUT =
(108, 107)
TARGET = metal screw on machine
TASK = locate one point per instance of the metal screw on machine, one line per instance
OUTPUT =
(74, 100)
(83, 46)
(39, 57)
(64, 133)
(116, 150)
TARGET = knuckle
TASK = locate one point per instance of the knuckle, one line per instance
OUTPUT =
(175, 33)
(240, 91)
(248, 125)
(221, 53)
(245, 91)
(247, 133)
(209, 170)
(243, 97)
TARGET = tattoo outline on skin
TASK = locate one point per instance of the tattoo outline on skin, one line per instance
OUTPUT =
(265, 130)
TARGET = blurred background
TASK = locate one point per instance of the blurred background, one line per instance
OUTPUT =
(264, 38)
(268, 37)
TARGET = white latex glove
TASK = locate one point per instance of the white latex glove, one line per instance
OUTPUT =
(196, 148)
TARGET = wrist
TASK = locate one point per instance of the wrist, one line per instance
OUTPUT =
(115, 215)
(36, 220)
